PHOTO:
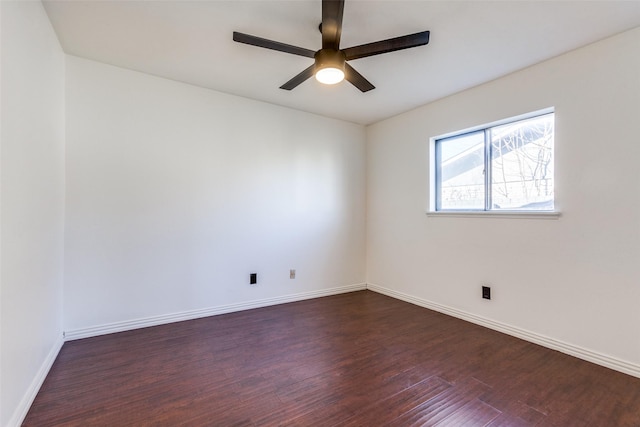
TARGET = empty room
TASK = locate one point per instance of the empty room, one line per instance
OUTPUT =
(319, 212)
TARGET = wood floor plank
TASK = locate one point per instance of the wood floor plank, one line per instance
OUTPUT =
(357, 359)
(449, 404)
(514, 413)
(391, 409)
(473, 413)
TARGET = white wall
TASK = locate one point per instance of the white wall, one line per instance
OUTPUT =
(32, 213)
(575, 280)
(175, 194)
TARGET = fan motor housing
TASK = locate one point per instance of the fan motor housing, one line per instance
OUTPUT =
(330, 58)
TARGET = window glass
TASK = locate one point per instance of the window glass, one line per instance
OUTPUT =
(522, 165)
(461, 172)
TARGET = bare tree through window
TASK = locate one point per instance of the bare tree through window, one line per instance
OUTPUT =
(522, 164)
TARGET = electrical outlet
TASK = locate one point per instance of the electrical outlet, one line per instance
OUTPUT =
(486, 292)
(292, 273)
(253, 278)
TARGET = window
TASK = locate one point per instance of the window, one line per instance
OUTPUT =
(505, 167)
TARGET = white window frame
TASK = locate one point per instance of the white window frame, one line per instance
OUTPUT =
(502, 213)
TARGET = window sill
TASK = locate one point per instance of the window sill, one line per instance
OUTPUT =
(496, 214)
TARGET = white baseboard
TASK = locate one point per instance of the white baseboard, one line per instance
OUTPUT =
(570, 349)
(25, 403)
(211, 311)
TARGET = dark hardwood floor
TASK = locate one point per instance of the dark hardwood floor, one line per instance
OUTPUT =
(357, 359)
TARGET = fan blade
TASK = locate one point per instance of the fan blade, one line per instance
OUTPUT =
(270, 44)
(356, 79)
(299, 78)
(332, 11)
(389, 45)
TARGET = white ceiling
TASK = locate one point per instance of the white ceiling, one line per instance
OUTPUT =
(472, 42)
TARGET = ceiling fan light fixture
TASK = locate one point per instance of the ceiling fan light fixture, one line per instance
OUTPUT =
(330, 75)
(329, 67)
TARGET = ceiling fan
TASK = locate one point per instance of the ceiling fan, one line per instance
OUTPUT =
(330, 64)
